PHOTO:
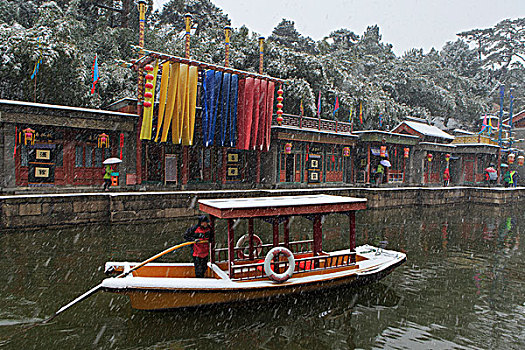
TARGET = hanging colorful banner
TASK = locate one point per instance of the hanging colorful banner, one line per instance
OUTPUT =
(336, 105)
(94, 74)
(149, 100)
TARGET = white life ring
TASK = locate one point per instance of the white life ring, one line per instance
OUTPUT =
(279, 277)
(242, 243)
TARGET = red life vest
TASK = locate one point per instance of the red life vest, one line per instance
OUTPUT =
(201, 250)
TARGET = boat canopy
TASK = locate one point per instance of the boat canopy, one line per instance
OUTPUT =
(232, 208)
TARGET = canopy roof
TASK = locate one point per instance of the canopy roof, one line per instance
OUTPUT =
(428, 130)
(230, 208)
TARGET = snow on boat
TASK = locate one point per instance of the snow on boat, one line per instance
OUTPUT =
(252, 270)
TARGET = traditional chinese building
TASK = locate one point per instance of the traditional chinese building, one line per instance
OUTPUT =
(50, 145)
(310, 151)
(433, 152)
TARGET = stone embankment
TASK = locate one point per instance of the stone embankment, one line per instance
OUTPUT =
(44, 210)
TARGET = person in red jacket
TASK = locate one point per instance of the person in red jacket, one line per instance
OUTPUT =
(446, 177)
(200, 233)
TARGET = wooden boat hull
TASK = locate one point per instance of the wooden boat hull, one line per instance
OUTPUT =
(154, 293)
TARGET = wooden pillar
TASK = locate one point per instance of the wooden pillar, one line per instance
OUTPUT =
(212, 239)
(318, 234)
(224, 168)
(231, 245)
(185, 165)
(367, 175)
(475, 170)
(275, 232)
(250, 234)
(287, 233)
(258, 168)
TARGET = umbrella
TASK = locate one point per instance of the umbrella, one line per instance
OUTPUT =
(386, 163)
(112, 161)
(503, 165)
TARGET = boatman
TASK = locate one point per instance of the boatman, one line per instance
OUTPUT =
(200, 233)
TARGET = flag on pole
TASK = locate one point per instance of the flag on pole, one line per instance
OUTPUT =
(94, 74)
(301, 107)
(336, 105)
(351, 119)
(35, 69)
(361, 112)
(319, 105)
(37, 64)
(380, 119)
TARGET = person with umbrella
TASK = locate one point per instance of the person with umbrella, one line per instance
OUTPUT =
(381, 170)
(108, 169)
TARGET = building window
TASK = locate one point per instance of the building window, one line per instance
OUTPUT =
(59, 155)
(89, 156)
(23, 156)
(98, 157)
(79, 156)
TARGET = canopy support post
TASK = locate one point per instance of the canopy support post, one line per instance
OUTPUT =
(351, 219)
(231, 245)
(287, 233)
(212, 240)
(250, 234)
(318, 234)
(275, 232)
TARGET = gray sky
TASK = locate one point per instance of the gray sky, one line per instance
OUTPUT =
(405, 24)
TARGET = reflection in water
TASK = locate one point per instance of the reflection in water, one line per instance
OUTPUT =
(462, 287)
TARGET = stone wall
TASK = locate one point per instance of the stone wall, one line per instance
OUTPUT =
(35, 211)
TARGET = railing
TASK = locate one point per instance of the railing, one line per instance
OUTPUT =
(395, 176)
(473, 139)
(315, 263)
(221, 254)
(315, 123)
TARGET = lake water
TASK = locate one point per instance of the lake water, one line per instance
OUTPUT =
(462, 287)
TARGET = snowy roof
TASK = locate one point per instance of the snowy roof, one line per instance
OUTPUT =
(427, 130)
(463, 132)
(284, 205)
(66, 108)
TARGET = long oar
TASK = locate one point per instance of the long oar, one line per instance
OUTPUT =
(124, 274)
(98, 287)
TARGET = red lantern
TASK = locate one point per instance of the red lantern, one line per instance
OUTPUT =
(407, 152)
(346, 151)
(147, 104)
(382, 151)
(149, 77)
(447, 157)
(288, 148)
(511, 158)
(521, 160)
(148, 95)
(429, 157)
(149, 86)
(148, 68)
(121, 144)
